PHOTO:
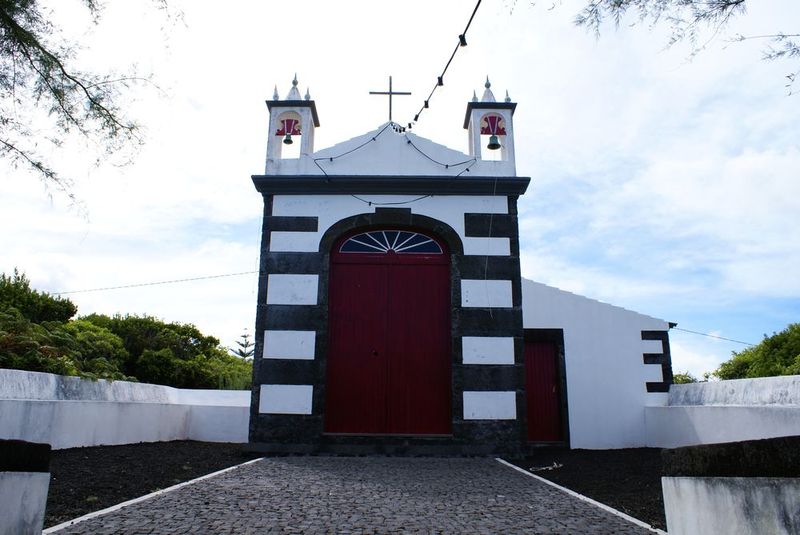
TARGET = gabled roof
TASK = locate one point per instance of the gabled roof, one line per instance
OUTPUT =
(385, 151)
(389, 151)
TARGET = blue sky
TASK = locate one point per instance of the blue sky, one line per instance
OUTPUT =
(661, 184)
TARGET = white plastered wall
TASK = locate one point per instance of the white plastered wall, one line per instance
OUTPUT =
(605, 370)
(299, 289)
(330, 209)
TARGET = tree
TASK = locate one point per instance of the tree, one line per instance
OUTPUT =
(778, 354)
(246, 347)
(691, 20)
(683, 378)
(36, 75)
(174, 354)
(16, 292)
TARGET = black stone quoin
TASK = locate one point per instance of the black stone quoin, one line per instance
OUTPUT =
(304, 433)
(22, 456)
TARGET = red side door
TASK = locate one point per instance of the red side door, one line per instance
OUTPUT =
(542, 392)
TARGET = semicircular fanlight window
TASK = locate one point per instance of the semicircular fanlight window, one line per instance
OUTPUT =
(383, 241)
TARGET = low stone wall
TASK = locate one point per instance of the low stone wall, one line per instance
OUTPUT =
(783, 390)
(69, 412)
(725, 411)
(750, 487)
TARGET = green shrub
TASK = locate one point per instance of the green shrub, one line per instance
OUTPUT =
(778, 354)
(36, 335)
(16, 292)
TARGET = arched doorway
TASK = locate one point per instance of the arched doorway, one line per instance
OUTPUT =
(388, 367)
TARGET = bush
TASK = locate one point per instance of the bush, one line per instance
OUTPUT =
(16, 292)
(36, 335)
(683, 378)
(175, 354)
(25, 345)
(778, 354)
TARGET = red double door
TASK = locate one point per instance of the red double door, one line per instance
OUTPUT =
(388, 367)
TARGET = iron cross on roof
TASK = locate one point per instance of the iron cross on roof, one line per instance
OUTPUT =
(390, 93)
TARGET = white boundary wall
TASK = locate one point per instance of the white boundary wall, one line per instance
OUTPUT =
(726, 411)
(740, 505)
(70, 412)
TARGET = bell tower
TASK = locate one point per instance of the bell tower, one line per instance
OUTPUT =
(490, 126)
(291, 121)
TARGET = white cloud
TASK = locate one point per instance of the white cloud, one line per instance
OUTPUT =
(661, 185)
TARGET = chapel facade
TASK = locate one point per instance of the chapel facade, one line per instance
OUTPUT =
(392, 316)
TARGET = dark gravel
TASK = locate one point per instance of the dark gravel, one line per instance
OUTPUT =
(83, 480)
(89, 479)
(628, 480)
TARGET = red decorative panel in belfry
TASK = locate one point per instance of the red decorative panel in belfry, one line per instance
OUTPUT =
(388, 368)
(542, 392)
(288, 126)
(493, 125)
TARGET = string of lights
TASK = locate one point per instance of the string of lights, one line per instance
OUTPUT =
(399, 129)
(370, 140)
(445, 165)
(462, 41)
(397, 203)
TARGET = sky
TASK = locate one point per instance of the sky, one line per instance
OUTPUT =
(660, 182)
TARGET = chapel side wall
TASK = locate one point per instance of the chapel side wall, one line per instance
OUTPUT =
(606, 350)
(291, 326)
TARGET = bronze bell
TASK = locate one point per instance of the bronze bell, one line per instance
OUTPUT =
(288, 139)
(494, 143)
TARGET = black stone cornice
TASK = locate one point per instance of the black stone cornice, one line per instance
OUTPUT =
(487, 106)
(402, 185)
(295, 104)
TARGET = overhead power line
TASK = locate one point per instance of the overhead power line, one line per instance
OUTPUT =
(714, 336)
(240, 273)
(173, 281)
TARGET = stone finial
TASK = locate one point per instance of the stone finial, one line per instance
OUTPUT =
(474, 96)
(294, 93)
(308, 94)
(488, 96)
(508, 99)
(275, 95)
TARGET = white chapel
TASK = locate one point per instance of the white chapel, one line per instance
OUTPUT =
(391, 313)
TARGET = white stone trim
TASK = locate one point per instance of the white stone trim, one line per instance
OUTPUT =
(289, 344)
(293, 242)
(292, 289)
(285, 399)
(487, 246)
(490, 405)
(486, 293)
(487, 349)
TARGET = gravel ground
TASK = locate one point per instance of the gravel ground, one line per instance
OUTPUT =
(628, 480)
(88, 479)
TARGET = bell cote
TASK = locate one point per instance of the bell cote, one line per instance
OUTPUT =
(291, 122)
(490, 126)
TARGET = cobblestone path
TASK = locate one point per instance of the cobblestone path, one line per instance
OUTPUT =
(358, 495)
